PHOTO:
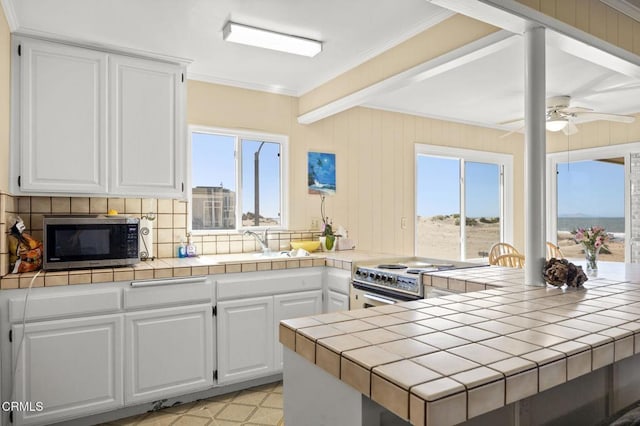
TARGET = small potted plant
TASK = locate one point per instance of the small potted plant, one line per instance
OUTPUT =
(328, 238)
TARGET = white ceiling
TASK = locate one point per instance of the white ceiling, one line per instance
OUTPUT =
(485, 91)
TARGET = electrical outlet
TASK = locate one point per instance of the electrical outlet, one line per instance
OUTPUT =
(315, 223)
(403, 223)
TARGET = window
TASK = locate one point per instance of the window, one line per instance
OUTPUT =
(463, 202)
(237, 180)
(589, 187)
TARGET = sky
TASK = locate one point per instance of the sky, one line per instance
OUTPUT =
(591, 188)
(585, 188)
(213, 164)
(439, 188)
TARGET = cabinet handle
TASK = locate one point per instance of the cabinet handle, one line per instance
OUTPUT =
(168, 281)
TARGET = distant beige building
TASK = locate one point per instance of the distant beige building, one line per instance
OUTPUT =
(213, 207)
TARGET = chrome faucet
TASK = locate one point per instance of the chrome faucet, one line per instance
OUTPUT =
(264, 241)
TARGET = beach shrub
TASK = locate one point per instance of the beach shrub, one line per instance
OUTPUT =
(489, 219)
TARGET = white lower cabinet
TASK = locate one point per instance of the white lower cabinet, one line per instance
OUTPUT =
(338, 283)
(72, 366)
(337, 301)
(168, 352)
(294, 305)
(245, 339)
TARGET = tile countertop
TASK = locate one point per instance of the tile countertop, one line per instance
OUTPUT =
(475, 352)
(202, 265)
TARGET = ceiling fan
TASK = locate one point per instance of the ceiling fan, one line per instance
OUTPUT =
(562, 116)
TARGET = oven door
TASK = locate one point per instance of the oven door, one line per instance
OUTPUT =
(365, 297)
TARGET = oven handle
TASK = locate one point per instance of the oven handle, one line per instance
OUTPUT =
(379, 299)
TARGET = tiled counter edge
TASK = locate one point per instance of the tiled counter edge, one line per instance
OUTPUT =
(452, 358)
(168, 268)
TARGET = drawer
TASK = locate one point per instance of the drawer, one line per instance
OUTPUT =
(251, 284)
(167, 292)
(65, 304)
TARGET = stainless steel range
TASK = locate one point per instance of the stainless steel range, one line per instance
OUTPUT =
(395, 280)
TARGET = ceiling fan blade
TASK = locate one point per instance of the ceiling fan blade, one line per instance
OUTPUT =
(570, 129)
(572, 110)
(512, 132)
(511, 121)
(584, 117)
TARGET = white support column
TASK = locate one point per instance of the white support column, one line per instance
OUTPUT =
(534, 155)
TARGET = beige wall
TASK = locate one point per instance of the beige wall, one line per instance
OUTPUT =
(5, 82)
(374, 158)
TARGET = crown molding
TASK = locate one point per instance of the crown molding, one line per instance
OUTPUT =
(105, 47)
(624, 7)
(279, 90)
(10, 14)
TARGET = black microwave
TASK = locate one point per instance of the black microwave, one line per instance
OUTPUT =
(89, 241)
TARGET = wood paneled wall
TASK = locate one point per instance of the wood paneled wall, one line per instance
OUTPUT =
(595, 18)
(374, 159)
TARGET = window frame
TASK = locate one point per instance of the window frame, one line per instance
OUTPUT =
(589, 154)
(505, 161)
(239, 135)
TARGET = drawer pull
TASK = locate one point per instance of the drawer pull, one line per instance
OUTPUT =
(168, 281)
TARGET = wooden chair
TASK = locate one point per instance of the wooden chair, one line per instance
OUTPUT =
(554, 251)
(499, 249)
(511, 260)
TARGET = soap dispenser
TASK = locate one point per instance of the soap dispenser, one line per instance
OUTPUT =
(191, 248)
(182, 249)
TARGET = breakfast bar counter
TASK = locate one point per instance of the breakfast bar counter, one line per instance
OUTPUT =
(512, 354)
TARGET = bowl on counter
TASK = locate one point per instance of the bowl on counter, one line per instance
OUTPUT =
(309, 245)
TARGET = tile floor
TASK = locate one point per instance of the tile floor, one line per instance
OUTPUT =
(259, 406)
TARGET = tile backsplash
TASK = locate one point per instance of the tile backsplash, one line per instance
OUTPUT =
(169, 226)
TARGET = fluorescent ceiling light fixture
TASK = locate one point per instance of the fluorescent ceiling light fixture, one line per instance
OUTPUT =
(556, 122)
(266, 39)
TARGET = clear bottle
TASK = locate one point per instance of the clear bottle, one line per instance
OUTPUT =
(191, 248)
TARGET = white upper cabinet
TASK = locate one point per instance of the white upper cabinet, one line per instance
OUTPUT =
(74, 102)
(146, 147)
(63, 118)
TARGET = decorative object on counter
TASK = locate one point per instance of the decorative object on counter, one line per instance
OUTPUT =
(593, 240)
(559, 272)
(321, 173)
(328, 238)
(146, 236)
(25, 252)
(309, 246)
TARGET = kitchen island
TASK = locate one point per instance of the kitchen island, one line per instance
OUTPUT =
(511, 354)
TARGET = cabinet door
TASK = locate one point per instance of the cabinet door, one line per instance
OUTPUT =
(147, 137)
(72, 366)
(62, 118)
(168, 352)
(337, 301)
(245, 339)
(294, 305)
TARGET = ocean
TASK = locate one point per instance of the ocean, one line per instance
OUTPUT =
(610, 224)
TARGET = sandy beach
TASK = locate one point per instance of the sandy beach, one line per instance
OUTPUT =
(439, 237)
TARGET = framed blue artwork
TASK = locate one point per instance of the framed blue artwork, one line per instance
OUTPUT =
(321, 174)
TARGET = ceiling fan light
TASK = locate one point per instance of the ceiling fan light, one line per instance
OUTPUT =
(266, 39)
(556, 125)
